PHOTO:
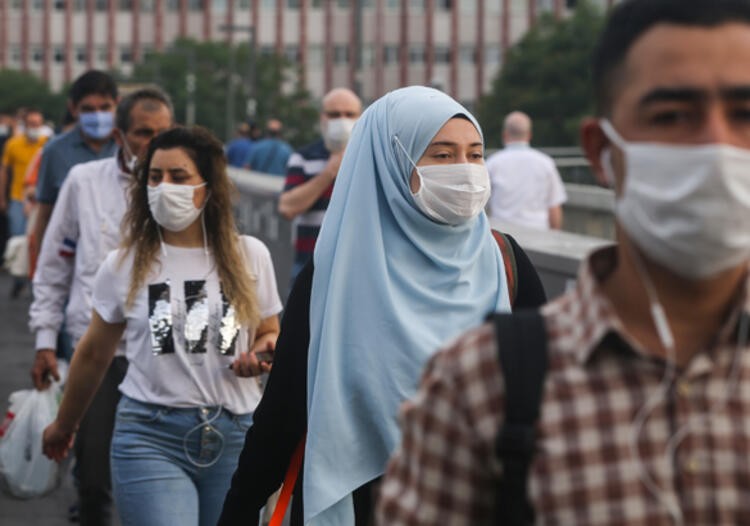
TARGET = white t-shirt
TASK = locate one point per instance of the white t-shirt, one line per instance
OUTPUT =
(525, 185)
(180, 332)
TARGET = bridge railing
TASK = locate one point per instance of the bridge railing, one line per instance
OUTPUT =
(556, 255)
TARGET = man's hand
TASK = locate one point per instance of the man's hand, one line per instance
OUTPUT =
(45, 364)
(56, 441)
(333, 164)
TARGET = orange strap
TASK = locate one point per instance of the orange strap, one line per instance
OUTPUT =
(289, 481)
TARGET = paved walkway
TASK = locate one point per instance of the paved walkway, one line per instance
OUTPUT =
(16, 356)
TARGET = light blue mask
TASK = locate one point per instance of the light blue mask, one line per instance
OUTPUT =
(97, 124)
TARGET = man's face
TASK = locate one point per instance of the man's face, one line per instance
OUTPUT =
(92, 103)
(339, 107)
(147, 119)
(33, 121)
(682, 85)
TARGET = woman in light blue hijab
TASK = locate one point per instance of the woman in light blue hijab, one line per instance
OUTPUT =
(391, 285)
(405, 261)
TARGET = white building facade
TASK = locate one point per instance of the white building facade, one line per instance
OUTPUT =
(457, 45)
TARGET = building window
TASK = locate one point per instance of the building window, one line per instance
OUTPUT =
(393, 4)
(147, 6)
(125, 5)
(15, 55)
(126, 55)
(268, 3)
(37, 54)
(317, 3)
(368, 56)
(244, 4)
(493, 6)
(173, 5)
(37, 5)
(416, 54)
(219, 6)
(442, 55)
(493, 55)
(195, 5)
(390, 54)
(315, 56)
(467, 55)
(444, 4)
(416, 5)
(79, 5)
(81, 55)
(341, 54)
(291, 53)
(102, 5)
(102, 54)
(267, 50)
(16, 4)
(293, 4)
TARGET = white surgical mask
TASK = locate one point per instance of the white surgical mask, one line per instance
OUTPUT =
(34, 133)
(451, 193)
(337, 133)
(686, 206)
(172, 205)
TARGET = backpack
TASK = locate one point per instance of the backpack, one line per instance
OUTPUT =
(522, 351)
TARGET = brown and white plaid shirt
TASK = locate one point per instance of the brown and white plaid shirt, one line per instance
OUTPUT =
(584, 472)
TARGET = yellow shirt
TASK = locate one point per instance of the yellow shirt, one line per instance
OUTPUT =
(17, 155)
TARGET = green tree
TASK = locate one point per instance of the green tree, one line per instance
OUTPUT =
(546, 75)
(18, 89)
(211, 67)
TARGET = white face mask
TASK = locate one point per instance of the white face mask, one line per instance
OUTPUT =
(686, 206)
(172, 205)
(34, 133)
(337, 133)
(451, 193)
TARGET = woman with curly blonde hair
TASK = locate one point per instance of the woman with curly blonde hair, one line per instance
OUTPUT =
(195, 302)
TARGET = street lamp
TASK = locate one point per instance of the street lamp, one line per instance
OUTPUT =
(251, 75)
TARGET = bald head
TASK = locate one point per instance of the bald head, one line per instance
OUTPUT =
(517, 127)
(273, 127)
(340, 103)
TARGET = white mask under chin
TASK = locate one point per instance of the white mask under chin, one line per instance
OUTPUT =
(686, 206)
(172, 205)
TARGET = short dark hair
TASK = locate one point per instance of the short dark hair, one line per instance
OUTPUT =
(125, 107)
(630, 19)
(93, 82)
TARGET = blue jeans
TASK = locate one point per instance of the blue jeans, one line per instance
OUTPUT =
(16, 219)
(155, 450)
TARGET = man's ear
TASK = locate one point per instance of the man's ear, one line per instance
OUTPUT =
(593, 142)
(72, 109)
(118, 136)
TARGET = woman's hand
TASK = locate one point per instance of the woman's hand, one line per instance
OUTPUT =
(248, 364)
(252, 364)
(56, 441)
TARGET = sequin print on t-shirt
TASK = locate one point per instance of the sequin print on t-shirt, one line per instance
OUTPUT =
(196, 316)
(160, 318)
(229, 328)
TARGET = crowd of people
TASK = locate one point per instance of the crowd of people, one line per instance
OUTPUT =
(383, 394)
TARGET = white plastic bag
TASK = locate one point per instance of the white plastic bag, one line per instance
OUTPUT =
(24, 470)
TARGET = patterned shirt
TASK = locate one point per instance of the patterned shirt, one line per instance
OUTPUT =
(303, 165)
(585, 470)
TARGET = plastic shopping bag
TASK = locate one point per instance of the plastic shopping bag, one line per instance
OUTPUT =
(24, 470)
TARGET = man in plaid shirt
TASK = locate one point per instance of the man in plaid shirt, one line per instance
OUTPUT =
(645, 415)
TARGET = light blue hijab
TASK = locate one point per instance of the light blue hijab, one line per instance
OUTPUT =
(390, 287)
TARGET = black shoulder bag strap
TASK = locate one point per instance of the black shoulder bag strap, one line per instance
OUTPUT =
(522, 343)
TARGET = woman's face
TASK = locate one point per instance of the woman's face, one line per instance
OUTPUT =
(457, 142)
(175, 166)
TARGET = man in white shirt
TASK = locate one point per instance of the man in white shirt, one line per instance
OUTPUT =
(526, 187)
(83, 229)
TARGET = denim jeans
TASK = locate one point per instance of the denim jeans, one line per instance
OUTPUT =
(16, 219)
(170, 465)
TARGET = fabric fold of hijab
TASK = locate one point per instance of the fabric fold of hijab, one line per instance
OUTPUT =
(390, 287)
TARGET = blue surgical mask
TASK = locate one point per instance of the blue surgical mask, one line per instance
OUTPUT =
(97, 124)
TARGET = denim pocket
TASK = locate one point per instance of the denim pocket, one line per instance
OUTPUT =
(243, 422)
(129, 410)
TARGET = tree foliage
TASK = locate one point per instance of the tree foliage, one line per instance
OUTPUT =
(19, 90)
(277, 87)
(546, 75)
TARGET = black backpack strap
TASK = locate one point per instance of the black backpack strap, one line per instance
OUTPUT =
(522, 344)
